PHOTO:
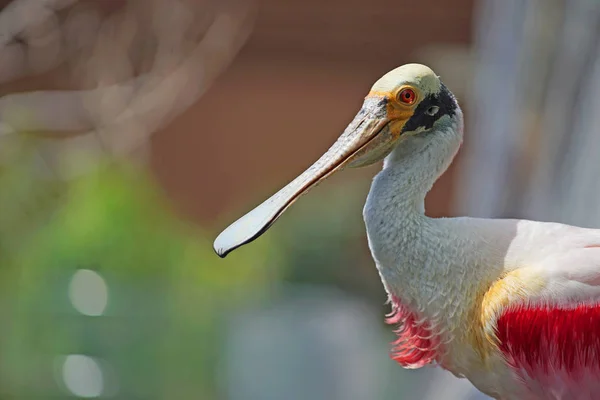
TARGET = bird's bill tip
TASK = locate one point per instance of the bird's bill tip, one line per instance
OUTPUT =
(220, 251)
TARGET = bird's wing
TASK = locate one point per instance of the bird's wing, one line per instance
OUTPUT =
(545, 317)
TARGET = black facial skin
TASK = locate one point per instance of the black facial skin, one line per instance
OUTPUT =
(445, 100)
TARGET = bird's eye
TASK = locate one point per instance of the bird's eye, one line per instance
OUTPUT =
(407, 96)
(432, 110)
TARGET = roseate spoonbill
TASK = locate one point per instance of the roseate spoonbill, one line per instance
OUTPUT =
(512, 305)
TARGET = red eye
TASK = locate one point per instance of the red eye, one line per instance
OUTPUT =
(407, 96)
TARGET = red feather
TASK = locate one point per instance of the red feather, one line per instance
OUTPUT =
(416, 345)
(553, 349)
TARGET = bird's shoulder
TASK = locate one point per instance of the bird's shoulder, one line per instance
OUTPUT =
(543, 312)
(545, 262)
(537, 290)
(545, 322)
(525, 243)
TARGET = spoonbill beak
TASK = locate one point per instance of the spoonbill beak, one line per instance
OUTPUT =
(366, 135)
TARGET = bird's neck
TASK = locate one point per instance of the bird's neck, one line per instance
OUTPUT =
(412, 168)
(397, 227)
(404, 182)
(414, 253)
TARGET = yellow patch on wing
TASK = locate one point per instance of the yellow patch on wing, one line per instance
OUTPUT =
(511, 287)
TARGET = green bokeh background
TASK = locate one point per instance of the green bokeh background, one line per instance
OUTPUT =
(170, 298)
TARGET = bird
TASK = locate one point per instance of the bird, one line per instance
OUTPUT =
(512, 305)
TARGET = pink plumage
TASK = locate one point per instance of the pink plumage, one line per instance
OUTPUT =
(416, 345)
(554, 350)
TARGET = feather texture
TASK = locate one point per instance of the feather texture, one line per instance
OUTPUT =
(417, 344)
(555, 350)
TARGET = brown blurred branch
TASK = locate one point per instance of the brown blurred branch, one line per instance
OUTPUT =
(30, 39)
(142, 66)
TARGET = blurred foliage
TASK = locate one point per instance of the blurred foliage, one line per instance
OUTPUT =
(28, 194)
(168, 292)
(169, 296)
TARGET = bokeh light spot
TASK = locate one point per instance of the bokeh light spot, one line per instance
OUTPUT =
(82, 376)
(88, 292)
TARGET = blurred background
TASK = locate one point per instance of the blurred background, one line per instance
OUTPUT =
(133, 131)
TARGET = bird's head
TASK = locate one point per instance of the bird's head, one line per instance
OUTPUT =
(402, 106)
(405, 103)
